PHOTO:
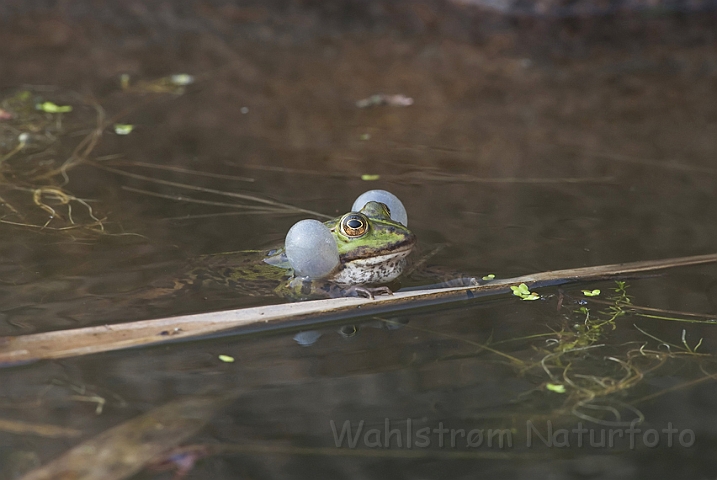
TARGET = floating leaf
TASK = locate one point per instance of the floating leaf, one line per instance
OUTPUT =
(591, 293)
(370, 178)
(554, 387)
(50, 107)
(226, 358)
(524, 292)
(123, 128)
(488, 277)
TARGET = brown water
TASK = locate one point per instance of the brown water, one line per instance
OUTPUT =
(532, 144)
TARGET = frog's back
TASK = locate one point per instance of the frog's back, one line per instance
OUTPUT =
(245, 272)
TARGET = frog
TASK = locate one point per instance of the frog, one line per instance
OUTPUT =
(372, 253)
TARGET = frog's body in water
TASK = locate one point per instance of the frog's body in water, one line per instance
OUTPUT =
(372, 250)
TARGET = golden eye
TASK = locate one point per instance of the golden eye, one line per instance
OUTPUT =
(354, 225)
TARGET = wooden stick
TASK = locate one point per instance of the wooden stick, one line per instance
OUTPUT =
(84, 341)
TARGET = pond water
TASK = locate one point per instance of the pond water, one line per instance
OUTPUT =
(533, 143)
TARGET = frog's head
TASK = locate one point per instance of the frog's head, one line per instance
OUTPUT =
(372, 247)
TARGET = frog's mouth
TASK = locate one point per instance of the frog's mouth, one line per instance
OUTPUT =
(401, 248)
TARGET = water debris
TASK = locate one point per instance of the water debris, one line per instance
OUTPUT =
(172, 84)
(370, 178)
(397, 100)
(672, 348)
(181, 460)
(592, 375)
(524, 292)
(123, 128)
(49, 107)
(39, 429)
(421, 177)
(182, 198)
(96, 399)
(687, 347)
(126, 449)
(555, 387)
(273, 205)
(651, 163)
(571, 368)
(174, 168)
(37, 152)
(22, 140)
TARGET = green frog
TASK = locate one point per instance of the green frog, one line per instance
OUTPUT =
(372, 251)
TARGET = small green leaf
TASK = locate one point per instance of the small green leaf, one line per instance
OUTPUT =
(365, 136)
(554, 387)
(226, 358)
(50, 107)
(489, 277)
(123, 128)
(524, 292)
(591, 293)
(370, 178)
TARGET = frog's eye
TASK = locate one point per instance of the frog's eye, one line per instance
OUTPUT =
(354, 225)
